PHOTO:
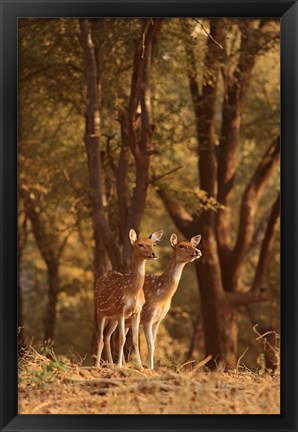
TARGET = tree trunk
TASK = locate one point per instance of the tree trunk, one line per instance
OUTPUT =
(50, 316)
(50, 249)
(20, 317)
(196, 340)
(101, 228)
(22, 238)
(217, 314)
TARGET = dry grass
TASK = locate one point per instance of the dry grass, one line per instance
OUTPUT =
(51, 385)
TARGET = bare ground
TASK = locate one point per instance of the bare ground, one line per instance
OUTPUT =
(53, 386)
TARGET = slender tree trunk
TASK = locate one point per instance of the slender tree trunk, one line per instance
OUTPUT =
(50, 249)
(101, 228)
(140, 94)
(195, 350)
(50, 316)
(22, 238)
(20, 317)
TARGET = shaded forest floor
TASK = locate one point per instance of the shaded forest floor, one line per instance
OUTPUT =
(48, 385)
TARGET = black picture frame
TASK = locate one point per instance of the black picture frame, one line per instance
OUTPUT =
(287, 11)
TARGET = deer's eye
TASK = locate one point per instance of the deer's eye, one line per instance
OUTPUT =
(141, 245)
(181, 246)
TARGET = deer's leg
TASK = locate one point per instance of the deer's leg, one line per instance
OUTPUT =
(126, 331)
(121, 324)
(135, 324)
(150, 342)
(155, 330)
(111, 327)
(101, 324)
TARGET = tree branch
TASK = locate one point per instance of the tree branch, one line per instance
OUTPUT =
(143, 46)
(181, 218)
(249, 204)
(65, 240)
(239, 299)
(267, 245)
(209, 35)
(154, 179)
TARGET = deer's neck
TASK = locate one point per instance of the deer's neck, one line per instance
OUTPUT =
(170, 279)
(137, 276)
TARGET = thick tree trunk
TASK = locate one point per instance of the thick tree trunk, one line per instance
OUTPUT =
(227, 316)
(218, 314)
(209, 312)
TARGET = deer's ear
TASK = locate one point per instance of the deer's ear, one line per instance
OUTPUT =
(173, 240)
(195, 240)
(156, 236)
(133, 236)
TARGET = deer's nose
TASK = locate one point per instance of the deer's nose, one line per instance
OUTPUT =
(154, 255)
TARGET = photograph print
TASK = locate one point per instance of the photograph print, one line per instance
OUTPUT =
(148, 215)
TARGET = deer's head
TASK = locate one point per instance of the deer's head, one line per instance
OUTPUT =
(144, 247)
(186, 251)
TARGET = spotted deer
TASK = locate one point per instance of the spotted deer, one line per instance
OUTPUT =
(159, 291)
(120, 296)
